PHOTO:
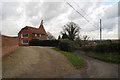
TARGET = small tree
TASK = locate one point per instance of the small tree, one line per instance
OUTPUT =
(66, 45)
(85, 38)
(50, 36)
(59, 37)
(77, 42)
(64, 36)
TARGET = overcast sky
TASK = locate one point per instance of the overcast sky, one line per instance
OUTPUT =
(15, 15)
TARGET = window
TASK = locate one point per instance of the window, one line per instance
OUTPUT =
(24, 35)
(35, 35)
(24, 41)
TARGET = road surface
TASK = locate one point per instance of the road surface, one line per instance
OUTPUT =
(96, 69)
(36, 62)
(43, 62)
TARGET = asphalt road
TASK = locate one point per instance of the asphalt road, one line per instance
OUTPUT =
(43, 62)
(36, 62)
(96, 69)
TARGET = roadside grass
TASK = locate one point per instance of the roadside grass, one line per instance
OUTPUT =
(77, 62)
(108, 57)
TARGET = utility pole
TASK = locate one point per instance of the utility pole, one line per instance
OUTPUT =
(100, 31)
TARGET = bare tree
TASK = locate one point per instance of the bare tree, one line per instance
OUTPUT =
(85, 38)
(50, 36)
(64, 36)
(59, 37)
(72, 30)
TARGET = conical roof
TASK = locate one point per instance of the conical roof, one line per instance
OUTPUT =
(41, 28)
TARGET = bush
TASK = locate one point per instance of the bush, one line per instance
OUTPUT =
(103, 48)
(77, 44)
(66, 45)
(114, 47)
(52, 43)
(111, 47)
(87, 48)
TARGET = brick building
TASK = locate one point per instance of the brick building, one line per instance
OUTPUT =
(28, 33)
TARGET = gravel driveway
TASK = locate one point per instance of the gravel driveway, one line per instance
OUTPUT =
(36, 62)
(96, 69)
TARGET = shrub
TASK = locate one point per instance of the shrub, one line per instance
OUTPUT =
(77, 44)
(111, 47)
(114, 47)
(66, 45)
(87, 48)
(103, 48)
(53, 43)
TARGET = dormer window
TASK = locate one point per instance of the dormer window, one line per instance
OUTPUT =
(24, 35)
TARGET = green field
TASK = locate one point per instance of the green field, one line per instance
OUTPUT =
(77, 62)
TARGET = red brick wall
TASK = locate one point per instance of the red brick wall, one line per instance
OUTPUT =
(9, 44)
(33, 35)
(29, 37)
(43, 37)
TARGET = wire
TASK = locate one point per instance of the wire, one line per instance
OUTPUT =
(76, 10)
(80, 14)
(83, 11)
(80, 8)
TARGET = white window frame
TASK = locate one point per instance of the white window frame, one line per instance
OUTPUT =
(40, 35)
(24, 37)
(35, 35)
(24, 43)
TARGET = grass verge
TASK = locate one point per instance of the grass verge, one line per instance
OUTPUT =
(77, 62)
(108, 57)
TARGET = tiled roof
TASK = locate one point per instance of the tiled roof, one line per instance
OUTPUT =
(35, 30)
(42, 29)
(39, 30)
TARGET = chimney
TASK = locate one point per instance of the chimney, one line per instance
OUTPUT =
(41, 24)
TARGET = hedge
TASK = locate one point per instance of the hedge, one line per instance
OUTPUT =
(87, 48)
(111, 47)
(52, 43)
(103, 48)
(66, 45)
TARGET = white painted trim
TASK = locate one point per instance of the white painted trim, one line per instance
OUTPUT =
(24, 43)
(24, 37)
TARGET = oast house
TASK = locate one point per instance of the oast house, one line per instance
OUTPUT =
(28, 33)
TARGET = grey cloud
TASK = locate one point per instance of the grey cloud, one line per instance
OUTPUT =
(111, 12)
(85, 9)
(53, 10)
(55, 15)
(109, 24)
(119, 8)
(32, 9)
(110, 18)
(10, 28)
(46, 11)
(73, 15)
(9, 11)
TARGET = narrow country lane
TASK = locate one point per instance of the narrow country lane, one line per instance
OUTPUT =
(96, 68)
(36, 62)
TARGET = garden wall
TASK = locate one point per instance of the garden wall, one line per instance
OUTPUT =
(9, 44)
